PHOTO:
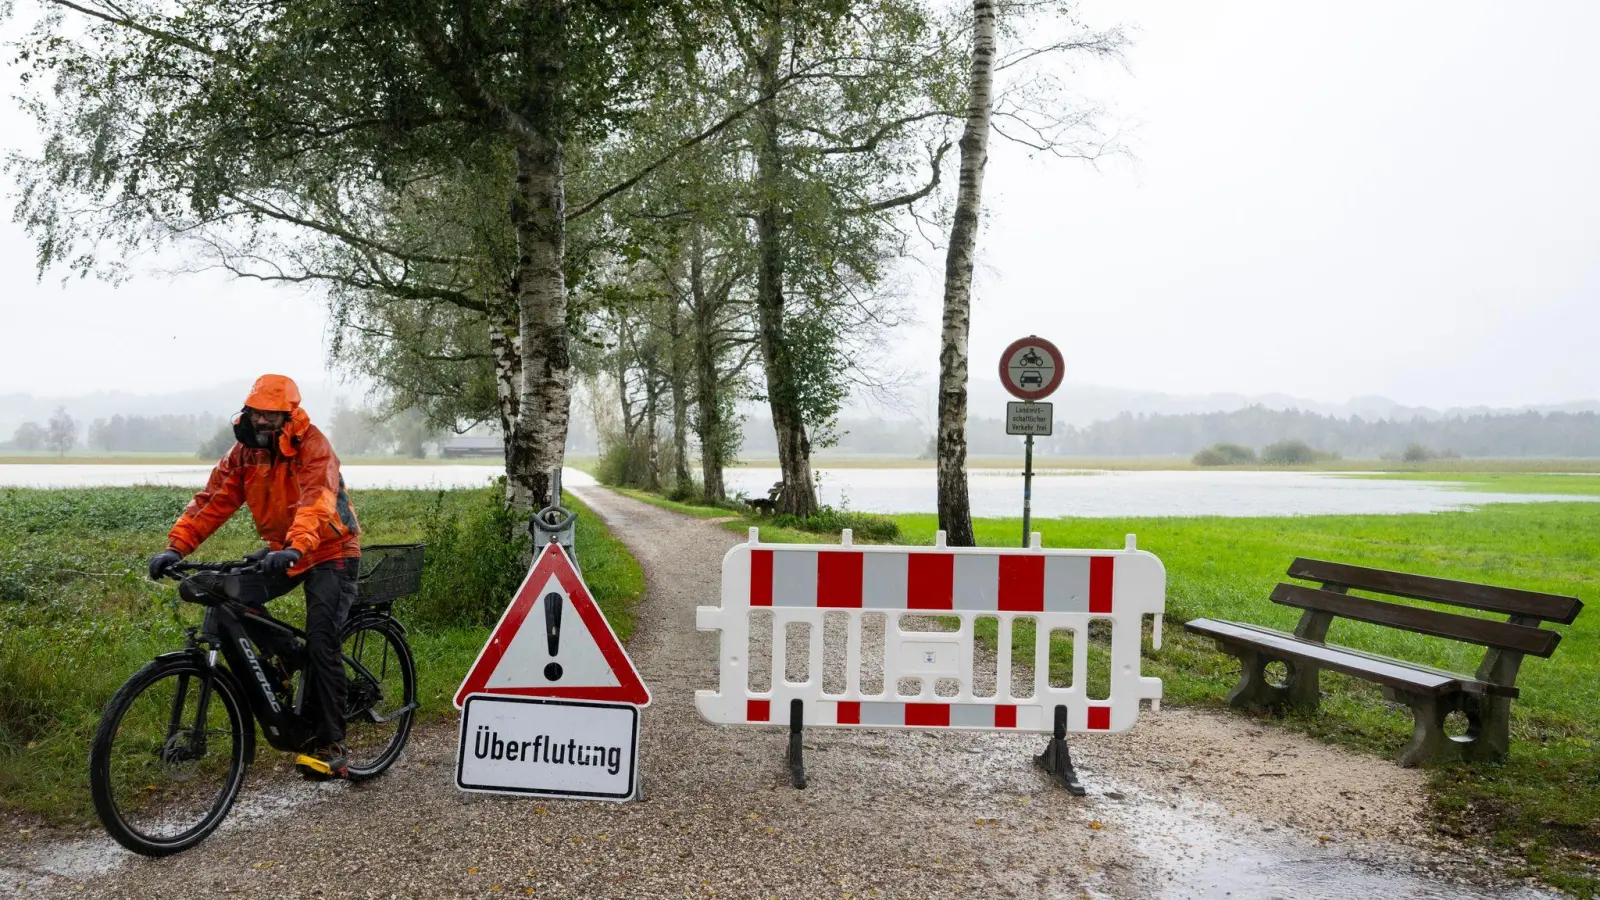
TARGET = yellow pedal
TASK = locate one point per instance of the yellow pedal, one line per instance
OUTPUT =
(312, 763)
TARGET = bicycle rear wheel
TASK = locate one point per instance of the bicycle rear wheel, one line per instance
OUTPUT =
(382, 695)
(163, 778)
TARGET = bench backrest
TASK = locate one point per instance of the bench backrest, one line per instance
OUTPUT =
(1520, 635)
(1513, 602)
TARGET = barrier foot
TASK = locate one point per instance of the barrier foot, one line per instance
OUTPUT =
(797, 758)
(1057, 759)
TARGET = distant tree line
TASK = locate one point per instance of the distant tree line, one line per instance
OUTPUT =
(1529, 434)
(168, 433)
(58, 435)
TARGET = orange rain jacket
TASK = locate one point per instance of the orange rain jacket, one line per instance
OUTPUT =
(294, 490)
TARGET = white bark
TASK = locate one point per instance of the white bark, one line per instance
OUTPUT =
(538, 445)
(955, 513)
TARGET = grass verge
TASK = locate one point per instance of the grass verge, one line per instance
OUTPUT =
(77, 615)
(1543, 802)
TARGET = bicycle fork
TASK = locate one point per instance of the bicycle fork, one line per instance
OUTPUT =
(196, 745)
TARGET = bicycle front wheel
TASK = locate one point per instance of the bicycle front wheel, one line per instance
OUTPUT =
(382, 695)
(162, 772)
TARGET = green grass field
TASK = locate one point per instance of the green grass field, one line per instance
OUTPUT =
(77, 615)
(1543, 802)
(1503, 482)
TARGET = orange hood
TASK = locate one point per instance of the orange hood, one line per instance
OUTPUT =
(279, 393)
(274, 393)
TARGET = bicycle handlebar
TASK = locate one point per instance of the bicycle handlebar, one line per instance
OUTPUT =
(178, 568)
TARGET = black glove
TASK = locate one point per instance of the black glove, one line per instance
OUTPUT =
(280, 560)
(259, 555)
(161, 562)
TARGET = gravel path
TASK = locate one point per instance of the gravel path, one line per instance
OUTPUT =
(1186, 804)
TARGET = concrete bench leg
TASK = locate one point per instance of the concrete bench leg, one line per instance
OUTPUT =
(1300, 690)
(1490, 719)
(1429, 742)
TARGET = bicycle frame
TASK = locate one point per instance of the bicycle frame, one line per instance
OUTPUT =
(223, 630)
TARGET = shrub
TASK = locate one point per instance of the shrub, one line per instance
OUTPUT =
(218, 445)
(1293, 452)
(828, 520)
(476, 557)
(626, 462)
(1416, 453)
(685, 492)
(1225, 455)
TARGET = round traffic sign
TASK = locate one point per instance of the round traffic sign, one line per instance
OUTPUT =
(1032, 368)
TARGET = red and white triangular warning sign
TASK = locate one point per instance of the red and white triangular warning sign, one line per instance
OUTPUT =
(552, 641)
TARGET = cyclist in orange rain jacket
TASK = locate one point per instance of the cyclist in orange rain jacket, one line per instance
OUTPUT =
(285, 470)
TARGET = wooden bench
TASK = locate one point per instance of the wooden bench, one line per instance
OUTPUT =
(768, 506)
(1484, 698)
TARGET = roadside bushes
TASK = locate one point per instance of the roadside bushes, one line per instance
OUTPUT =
(1225, 455)
(476, 557)
(634, 462)
(828, 520)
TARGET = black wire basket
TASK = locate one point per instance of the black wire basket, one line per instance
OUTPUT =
(389, 572)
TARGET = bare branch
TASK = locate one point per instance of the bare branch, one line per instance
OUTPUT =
(914, 196)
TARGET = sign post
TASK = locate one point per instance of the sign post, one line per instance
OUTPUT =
(1031, 369)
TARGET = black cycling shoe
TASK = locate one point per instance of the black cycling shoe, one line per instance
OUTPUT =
(332, 761)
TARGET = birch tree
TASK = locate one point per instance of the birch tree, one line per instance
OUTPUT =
(833, 161)
(311, 122)
(1045, 121)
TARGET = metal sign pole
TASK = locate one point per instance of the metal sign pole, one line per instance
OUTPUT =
(1030, 369)
(1027, 489)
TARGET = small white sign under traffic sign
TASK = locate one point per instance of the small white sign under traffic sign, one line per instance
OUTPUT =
(572, 749)
(1031, 368)
(1029, 418)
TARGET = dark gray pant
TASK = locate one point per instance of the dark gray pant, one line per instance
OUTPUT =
(330, 589)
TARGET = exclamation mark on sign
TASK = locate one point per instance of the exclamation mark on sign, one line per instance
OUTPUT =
(552, 633)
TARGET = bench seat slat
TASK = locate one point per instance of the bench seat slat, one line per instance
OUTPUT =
(1383, 670)
(1510, 601)
(1472, 630)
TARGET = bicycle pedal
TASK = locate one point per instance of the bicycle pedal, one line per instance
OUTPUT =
(314, 765)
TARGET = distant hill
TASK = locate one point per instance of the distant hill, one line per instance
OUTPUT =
(905, 431)
(1501, 434)
(217, 400)
(1080, 405)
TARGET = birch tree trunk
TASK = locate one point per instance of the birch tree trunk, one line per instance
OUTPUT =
(508, 393)
(539, 442)
(794, 447)
(955, 511)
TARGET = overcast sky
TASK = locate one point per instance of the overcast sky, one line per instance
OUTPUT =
(1326, 199)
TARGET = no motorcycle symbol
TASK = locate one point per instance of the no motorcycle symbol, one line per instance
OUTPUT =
(1032, 368)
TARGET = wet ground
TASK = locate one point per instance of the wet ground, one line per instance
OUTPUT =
(1187, 804)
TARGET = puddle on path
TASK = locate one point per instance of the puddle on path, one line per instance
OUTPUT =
(26, 869)
(1192, 850)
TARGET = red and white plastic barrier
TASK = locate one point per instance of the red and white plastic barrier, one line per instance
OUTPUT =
(1056, 589)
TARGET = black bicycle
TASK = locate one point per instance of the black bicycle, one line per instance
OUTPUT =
(173, 744)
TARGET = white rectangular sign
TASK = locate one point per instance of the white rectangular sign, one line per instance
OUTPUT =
(1029, 418)
(577, 749)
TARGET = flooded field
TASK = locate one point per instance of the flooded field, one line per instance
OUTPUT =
(995, 492)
